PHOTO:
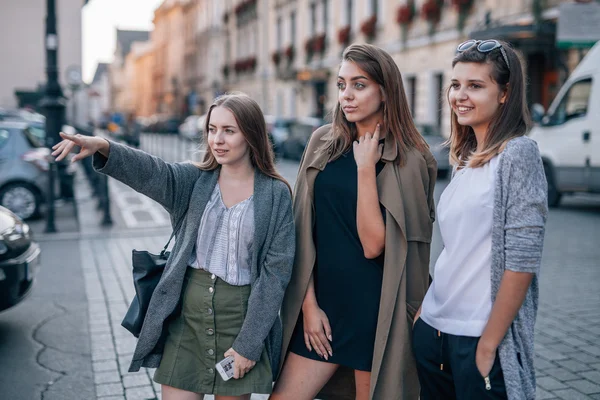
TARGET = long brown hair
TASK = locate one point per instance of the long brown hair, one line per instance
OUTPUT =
(251, 122)
(397, 120)
(512, 118)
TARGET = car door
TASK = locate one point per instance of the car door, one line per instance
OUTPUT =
(594, 134)
(567, 137)
(5, 153)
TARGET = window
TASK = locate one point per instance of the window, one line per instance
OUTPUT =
(34, 136)
(279, 22)
(439, 101)
(349, 8)
(293, 28)
(374, 7)
(313, 18)
(574, 104)
(411, 91)
(325, 15)
(4, 135)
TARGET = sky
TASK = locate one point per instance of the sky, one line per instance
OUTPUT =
(100, 20)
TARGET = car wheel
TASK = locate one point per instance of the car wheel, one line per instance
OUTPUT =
(22, 199)
(554, 195)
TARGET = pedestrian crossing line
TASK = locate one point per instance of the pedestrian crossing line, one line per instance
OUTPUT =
(137, 210)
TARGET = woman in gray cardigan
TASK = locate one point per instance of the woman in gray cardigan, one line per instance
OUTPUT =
(474, 336)
(223, 284)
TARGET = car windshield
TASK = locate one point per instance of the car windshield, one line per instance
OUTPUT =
(7, 221)
(428, 130)
(35, 136)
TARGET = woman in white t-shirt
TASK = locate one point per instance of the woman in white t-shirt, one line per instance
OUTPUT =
(473, 336)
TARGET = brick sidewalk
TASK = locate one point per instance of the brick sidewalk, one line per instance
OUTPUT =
(567, 348)
(107, 273)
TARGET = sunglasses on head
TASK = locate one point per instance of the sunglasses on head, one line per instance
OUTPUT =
(483, 46)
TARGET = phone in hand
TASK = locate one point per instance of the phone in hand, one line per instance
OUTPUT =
(225, 368)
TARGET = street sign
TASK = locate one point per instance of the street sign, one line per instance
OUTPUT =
(73, 75)
(578, 25)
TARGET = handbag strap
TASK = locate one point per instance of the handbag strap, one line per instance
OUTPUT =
(164, 250)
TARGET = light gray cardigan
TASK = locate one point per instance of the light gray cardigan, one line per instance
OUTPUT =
(179, 185)
(520, 211)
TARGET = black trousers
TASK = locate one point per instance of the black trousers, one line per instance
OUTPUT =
(447, 369)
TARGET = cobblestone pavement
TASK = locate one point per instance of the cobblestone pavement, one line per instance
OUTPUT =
(568, 326)
(109, 288)
(567, 330)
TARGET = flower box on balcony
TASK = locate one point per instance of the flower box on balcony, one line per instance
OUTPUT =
(245, 64)
(344, 35)
(462, 5)
(308, 48)
(368, 27)
(432, 11)
(405, 14)
(244, 6)
(290, 53)
(318, 43)
(276, 57)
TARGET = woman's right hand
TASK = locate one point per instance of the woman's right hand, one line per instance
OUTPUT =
(89, 145)
(317, 331)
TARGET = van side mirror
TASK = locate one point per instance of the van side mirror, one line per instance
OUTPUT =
(537, 113)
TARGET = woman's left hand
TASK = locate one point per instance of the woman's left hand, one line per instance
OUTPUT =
(484, 359)
(367, 150)
(241, 365)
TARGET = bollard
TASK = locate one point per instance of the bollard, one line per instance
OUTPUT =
(105, 200)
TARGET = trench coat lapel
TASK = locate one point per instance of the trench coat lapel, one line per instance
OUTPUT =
(389, 186)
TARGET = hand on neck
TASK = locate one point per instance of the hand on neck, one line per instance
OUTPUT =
(369, 125)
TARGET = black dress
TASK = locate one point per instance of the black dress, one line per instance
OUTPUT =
(347, 285)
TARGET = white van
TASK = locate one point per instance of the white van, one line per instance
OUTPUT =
(568, 135)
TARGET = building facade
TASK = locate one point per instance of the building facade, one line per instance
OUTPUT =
(168, 39)
(141, 58)
(22, 32)
(98, 94)
(121, 72)
(286, 52)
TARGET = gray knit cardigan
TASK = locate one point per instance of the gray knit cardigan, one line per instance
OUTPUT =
(177, 186)
(520, 211)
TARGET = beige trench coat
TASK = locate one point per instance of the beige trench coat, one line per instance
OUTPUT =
(407, 194)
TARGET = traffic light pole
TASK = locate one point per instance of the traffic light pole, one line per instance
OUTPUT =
(53, 104)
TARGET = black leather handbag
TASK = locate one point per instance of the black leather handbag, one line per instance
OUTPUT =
(147, 271)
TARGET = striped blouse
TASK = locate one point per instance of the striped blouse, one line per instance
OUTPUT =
(225, 238)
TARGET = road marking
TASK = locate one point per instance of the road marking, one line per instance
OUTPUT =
(133, 206)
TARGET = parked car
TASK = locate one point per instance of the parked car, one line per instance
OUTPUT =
(568, 135)
(299, 132)
(192, 127)
(19, 259)
(23, 168)
(171, 125)
(279, 131)
(435, 140)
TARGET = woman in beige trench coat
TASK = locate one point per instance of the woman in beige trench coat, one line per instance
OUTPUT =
(403, 187)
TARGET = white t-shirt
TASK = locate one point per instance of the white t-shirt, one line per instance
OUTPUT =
(459, 300)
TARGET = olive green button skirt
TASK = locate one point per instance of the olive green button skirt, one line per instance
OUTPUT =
(211, 318)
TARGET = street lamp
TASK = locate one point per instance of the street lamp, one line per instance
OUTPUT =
(53, 104)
